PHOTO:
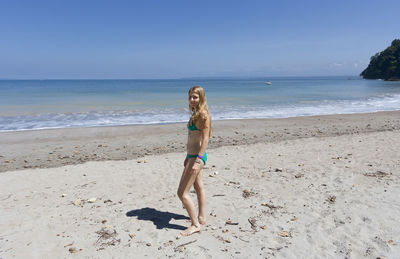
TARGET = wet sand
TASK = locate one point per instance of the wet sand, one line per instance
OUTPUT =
(53, 148)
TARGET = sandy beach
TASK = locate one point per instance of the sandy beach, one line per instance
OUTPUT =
(304, 187)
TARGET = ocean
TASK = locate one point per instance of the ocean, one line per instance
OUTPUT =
(47, 104)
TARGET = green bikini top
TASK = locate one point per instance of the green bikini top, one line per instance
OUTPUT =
(192, 127)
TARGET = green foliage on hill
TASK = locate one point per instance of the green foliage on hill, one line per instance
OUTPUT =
(385, 65)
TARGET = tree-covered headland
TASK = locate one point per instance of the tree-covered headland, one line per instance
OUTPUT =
(385, 65)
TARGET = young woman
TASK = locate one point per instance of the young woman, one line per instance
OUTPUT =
(199, 133)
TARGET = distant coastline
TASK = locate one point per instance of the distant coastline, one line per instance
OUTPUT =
(385, 65)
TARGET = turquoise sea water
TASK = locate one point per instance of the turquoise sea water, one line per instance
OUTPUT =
(40, 104)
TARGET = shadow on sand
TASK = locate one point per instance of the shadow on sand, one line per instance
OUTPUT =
(160, 218)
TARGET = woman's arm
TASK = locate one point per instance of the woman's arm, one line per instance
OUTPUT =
(205, 132)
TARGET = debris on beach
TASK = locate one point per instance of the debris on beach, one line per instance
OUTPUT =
(77, 202)
(246, 193)
(218, 195)
(377, 174)
(213, 174)
(70, 244)
(182, 247)
(284, 234)
(331, 199)
(107, 237)
(253, 223)
(91, 200)
(73, 250)
(299, 175)
(223, 239)
(234, 183)
(229, 222)
(278, 169)
(169, 243)
(271, 206)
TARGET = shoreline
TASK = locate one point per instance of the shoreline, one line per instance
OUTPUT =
(176, 123)
(49, 148)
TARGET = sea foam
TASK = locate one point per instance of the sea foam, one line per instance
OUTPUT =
(219, 112)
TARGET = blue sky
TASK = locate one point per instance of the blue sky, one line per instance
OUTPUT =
(174, 39)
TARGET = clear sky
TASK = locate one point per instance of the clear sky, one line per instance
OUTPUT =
(172, 39)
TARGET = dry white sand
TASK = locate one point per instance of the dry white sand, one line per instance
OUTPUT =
(318, 197)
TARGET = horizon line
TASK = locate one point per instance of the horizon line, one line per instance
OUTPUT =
(184, 78)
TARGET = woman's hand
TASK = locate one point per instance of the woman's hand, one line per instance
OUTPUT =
(197, 165)
(185, 162)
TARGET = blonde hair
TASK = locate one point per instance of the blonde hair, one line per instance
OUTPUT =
(201, 112)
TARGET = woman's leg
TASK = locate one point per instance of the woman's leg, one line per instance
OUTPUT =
(201, 197)
(186, 182)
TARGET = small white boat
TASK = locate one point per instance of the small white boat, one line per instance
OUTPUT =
(268, 83)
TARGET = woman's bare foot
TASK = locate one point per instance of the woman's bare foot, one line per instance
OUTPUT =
(202, 220)
(191, 230)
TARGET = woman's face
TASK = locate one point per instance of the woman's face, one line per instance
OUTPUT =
(194, 100)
